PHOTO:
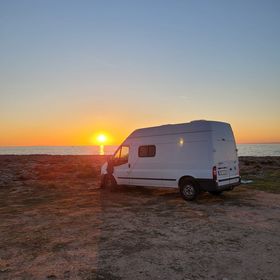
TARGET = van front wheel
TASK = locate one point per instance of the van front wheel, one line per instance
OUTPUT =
(188, 190)
(109, 182)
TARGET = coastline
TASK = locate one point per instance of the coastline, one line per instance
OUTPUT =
(245, 149)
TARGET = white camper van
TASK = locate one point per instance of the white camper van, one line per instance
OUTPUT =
(195, 156)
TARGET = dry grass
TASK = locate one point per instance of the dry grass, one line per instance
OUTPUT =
(264, 171)
(55, 223)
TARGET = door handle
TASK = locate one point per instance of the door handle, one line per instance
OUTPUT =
(129, 165)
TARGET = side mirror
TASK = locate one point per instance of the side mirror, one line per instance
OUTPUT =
(113, 161)
(110, 159)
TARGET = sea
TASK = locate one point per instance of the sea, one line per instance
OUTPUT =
(243, 150)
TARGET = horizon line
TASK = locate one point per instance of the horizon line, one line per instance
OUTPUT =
(6, 146)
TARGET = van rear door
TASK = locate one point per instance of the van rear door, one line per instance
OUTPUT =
(234, 171)
(232, 158)
(227, 166)
(227, 163)
(223, 173)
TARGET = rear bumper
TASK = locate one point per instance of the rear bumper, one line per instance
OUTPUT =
(211, 185)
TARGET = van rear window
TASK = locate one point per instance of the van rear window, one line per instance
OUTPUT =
(147, 151)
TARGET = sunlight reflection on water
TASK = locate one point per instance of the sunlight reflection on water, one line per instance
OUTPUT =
(101, 150)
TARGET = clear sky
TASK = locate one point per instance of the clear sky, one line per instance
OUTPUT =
(69, 69)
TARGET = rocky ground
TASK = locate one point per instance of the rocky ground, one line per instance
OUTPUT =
(55, 223)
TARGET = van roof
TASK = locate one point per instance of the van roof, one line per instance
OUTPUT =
(193, 126)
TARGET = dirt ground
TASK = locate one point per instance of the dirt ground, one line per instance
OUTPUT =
(55, 223)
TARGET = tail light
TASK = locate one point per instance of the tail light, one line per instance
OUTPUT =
(214, 173)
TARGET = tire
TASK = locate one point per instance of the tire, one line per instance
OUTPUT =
(216, 192)
(188, 190)
(109, 182)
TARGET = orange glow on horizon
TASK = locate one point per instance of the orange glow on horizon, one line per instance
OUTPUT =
(107, 132)
(103, 138)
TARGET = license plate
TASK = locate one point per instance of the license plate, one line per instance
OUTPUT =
(222, 172)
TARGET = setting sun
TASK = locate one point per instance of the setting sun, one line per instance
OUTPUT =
(101, 138)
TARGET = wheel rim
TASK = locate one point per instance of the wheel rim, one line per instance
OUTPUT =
(188, 190)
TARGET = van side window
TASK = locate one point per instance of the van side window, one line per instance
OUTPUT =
(147, 151)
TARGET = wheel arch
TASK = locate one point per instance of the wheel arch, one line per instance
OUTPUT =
(187, 177)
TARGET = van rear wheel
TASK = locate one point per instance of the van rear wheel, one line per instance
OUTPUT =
(188, 190)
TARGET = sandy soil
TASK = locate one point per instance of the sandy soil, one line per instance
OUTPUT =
(55, 223)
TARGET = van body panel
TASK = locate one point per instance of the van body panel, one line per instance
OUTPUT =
(122, 174)
(189, 149)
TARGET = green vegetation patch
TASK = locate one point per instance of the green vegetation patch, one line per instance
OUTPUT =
(264, 171)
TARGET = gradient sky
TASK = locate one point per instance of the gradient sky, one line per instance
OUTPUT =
(69, 69)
